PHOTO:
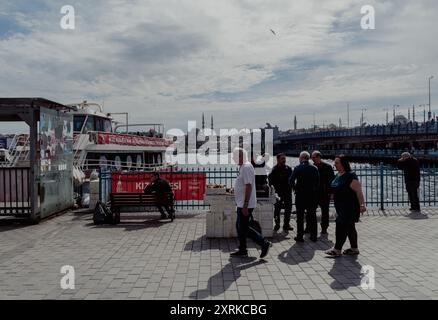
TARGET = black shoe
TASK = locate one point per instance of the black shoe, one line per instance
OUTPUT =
(287, 227)
(265, 249)
(239, 253)
(276, 227)
(299, 239)
(324, 231)
(163, 216)
(313, 239)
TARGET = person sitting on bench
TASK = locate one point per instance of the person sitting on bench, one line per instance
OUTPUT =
(161, 188)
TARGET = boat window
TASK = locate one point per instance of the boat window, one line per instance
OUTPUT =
(107, 125)
(102, 124)
(89, 126)
(78, 122)
(98, 124)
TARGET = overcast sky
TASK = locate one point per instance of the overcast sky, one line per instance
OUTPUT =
(170, 60)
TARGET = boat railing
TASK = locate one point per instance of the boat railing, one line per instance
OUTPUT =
(90, 164)
(155, 129)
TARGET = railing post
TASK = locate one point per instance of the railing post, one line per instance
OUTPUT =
(382, 188)
(100, 183)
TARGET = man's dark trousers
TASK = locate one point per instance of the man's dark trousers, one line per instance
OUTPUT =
(169, 209)
(286, 201)
(324, 204)
(244, 231)
(412, 189)
(306, 206)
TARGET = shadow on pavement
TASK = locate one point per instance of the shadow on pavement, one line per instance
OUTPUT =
(131, 225)
(221, 281)
(417, 216)
(281, 236)
(346, 273)
(226, 245)
(302, 252)
(8, 224)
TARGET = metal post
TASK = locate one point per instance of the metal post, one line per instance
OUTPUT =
(381, 188)
(100, 184)
(429, 116)
(34, 166)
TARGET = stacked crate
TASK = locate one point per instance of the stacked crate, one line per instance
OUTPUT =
(221, 219)
(264, 214)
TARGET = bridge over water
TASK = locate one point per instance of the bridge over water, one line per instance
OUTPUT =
(371, 143)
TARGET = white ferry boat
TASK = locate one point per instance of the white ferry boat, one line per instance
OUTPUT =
(99, 142)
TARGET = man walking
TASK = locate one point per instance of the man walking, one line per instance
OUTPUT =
(411, 170)
(305, 182)
(326, 176)
(161, 188)
(246, 201)
(279, 178)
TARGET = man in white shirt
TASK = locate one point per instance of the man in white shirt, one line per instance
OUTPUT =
(246, 201)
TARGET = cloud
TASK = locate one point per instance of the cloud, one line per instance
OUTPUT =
(168, 61)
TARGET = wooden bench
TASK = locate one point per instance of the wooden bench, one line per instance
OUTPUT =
(123, 200)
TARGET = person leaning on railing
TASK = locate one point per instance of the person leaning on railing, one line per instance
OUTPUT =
(349, 205)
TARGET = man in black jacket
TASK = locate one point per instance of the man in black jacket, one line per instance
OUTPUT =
(279, 178)
(411, 170)
(161, 188)
(326, 176)
(305, 182)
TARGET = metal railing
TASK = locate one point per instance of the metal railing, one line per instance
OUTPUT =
(383, 185)
(15, 191)
(376, 153)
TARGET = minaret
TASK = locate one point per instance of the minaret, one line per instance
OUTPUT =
(340, 123)
(409, 114)
(212, 127)
(413, 113)
(203, 121)
(295, 123)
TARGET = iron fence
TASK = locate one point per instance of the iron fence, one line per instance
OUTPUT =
(15, 191)
(383, 185)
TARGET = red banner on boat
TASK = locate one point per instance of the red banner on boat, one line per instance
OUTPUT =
(131, 140)
(185, 186)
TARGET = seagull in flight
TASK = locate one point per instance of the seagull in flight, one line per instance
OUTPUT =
(273, 32)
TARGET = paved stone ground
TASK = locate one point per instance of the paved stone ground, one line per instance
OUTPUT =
(152, 259)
